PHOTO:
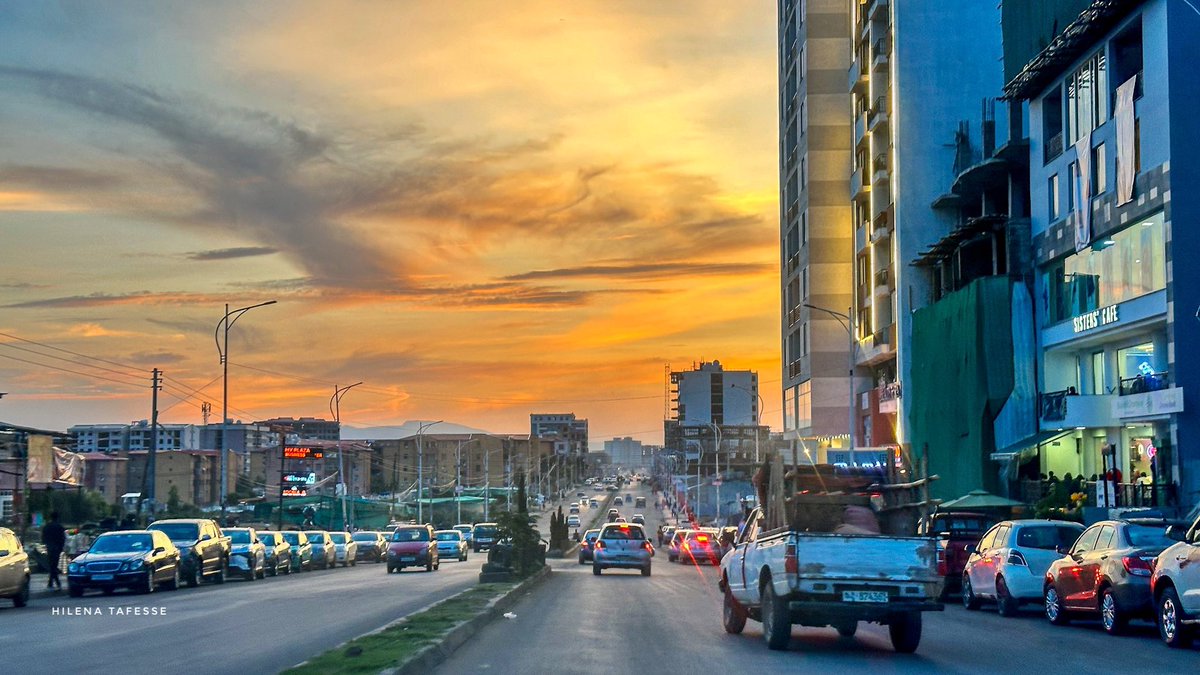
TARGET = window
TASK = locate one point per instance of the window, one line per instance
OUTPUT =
(804, 172)
(1099, 170)
(804, 405)
(1052, 196)
(1052, 124)
(1087, 96)
(804, 283)
(1072, 186)
(1127, 58)
(1098, 385)
(1127, 264)
(803, 119)
(1086, 542)
(1105, 541)
(804, 339)
(988, 539)
(804, 226)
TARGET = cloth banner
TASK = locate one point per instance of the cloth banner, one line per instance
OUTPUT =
(68, 468)
(40, 467)
(1083, 182)
(1126, 148)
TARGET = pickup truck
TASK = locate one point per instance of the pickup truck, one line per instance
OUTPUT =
(783, 577)
(204, 551)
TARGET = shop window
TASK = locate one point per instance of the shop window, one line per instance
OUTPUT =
(804, 405)
(1136, 367)
(1126, 265)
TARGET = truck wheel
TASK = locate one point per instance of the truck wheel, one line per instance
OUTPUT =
(905, 631)
(847, 630)
(1006, 604)
(968, 594)
(776, 621)
(733, 615)
(1170, 617)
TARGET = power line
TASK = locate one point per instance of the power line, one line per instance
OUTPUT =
(74, 372)
(68, 351)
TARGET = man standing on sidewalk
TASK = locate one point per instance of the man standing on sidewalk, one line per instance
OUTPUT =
(55, 538)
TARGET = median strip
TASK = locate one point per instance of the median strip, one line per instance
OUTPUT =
(420, 641)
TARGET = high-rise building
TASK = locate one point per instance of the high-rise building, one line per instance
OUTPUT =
(625, 452)
(133, 436)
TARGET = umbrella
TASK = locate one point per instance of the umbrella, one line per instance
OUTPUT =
(979, 499)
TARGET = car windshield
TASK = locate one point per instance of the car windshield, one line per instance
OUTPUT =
(178, 531)
(238, 536)
(122, 543)
(337, 537)
(268, 539)
(316, 537)
(292, 538)
(485, 531)
(1047, 537)
(449, 536)
(411, 534)
(623, 532)
(1145, 536)
(364, 536)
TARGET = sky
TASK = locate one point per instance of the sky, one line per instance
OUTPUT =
(480, 214)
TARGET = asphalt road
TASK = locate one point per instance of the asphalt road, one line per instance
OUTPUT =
(670, 622)
(248, 627)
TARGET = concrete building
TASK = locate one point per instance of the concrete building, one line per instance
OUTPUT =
(626, 452)
(1112, 132)
(814, 215)
(306, 428)
(107, 474)
(133, 436)
(473, 460)
(195, 475)
(714, 418)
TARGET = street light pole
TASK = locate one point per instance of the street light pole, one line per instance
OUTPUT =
(847, 324)
(335, 407)
(757, 417)
(421, 469)
(716, 467)
(458, 474)
(223, 327)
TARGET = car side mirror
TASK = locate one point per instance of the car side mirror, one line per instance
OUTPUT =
(1177, 532)
(206, 537)
(158, 551)
(971, 548)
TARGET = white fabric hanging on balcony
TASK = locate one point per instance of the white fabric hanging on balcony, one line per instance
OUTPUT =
(1126, 149)
(1083, 206)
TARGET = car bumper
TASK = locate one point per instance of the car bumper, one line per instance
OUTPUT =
(710, 557)
(586, 554)
(628, 560)
(241, 562)
(484, 545)
(339, 556)
(117, 580)
(1023, 585)
(366, 554)
(415, 560)
(1134, 596)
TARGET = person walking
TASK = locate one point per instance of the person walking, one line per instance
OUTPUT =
(54, 536)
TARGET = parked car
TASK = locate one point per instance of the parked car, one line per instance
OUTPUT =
(412, 546)
(370, 545)
(301, 550)
(205, 552)
(345, 549)
(622, 546)
(14, 569)
(451, 544)
(1106, 573)
(726, 536)
(1176, 584)
(324, 555)
(593, 503)
(587, 546)
(277, 553)
(954, 531)
(140, 560)
(248, 555)
(1009, 563)
(484, 535)
(466, 529)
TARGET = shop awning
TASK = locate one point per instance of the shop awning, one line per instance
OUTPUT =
(1006, 453)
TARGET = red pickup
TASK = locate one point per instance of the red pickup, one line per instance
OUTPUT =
(954, 530)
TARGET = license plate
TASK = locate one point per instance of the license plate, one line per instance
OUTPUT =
(864, 596)
(408, 560)
(102, 577)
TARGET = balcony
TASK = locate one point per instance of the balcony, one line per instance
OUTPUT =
(880, 232)
(860, 129)
(1060, 410)
(880, 168)
(877, 10)
(880, 53)
(860, 238)
(858, 77)
(795, 369)
(859, 186)
(1144, 383)
(1054, 147)
(878, 115)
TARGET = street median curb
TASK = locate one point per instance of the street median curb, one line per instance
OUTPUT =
(430, 657)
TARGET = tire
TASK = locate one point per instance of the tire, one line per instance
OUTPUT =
(596, 570)
(1171, 628)
(905, 632)
(1006, 604)
(429, 566)
(390, 569)
(274, 571)
(22, 597)
(847, 630)
(1112, 617)
(777, 624)
(262, 572)
(733, 615)
(173, 584)
(968, 595)
(581, 561)
(147, 586)
(671, 558)
(219, 577)
(646, 571)
(193, 577)
(1055, 613)
(74, 591)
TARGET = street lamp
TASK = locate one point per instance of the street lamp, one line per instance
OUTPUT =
(421, 468)
(223, 327)
(716, 468)
(335, 407)
(847, 322)
(458, 490)
(757, 416)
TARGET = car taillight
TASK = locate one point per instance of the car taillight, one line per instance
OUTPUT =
(1015, 558)
(1138, 567)
(790, 564)
(599, 544)
(941, 558)
(701, 537)
(646, 545)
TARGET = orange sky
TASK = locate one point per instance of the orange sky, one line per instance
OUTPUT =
(482, 214)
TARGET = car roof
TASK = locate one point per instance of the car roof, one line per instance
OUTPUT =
(1039, 522)
(450, 531)
(125, 532)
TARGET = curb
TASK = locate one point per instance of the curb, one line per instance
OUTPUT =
(430, 657)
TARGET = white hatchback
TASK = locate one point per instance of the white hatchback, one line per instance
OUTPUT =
(1009, 563)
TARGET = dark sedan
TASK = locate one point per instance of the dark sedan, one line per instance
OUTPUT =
(371, 546)
(139, 560)
(1106, 574)
(587, 546)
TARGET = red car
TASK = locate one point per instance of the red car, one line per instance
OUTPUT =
(700, 546)
(412, 546)
(954, 530)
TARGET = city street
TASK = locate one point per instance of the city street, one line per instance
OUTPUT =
(254, 627)
(671, 622)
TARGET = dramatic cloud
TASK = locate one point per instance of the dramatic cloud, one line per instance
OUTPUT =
(228, 253)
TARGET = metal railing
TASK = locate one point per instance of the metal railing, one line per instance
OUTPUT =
(1052, 405)
(1144, 383)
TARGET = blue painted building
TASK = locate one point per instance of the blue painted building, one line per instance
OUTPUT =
(1114, 202)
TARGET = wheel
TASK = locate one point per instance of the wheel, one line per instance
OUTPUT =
(274, 571)
(173, 584)
(847, 630)
(777, 624)
(74, 591)
(22, 597)
(671, 558)
(1006, 604)
(646, 571)
(288, 570)
(1054, 609)
(596, 570)
(429, 566)
(390, 569)
(354, 563)
(147, 585)
(193, 577)
(733, 615)
(219, 577)
(1111, 615)
(1171, 628)
(968, 594)
(437, 565)
(905, 632)
(582, 561)
(262, 571)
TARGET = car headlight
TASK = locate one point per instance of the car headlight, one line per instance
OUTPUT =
(137, 564)
(74, 568)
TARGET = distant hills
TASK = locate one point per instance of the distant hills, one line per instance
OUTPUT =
(407, 429)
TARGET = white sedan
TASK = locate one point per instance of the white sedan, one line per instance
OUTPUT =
(1009, 563)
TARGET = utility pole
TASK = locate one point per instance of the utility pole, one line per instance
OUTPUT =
(335, 407)
(148, 476)
(205, 411)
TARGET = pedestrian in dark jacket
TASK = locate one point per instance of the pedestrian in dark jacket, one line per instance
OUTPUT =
(54, 536)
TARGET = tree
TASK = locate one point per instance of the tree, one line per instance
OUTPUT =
(173, 500)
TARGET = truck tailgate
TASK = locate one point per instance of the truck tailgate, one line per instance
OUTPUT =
(842, 558)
